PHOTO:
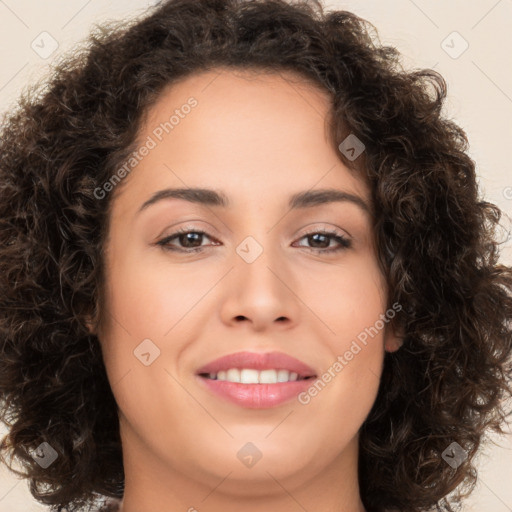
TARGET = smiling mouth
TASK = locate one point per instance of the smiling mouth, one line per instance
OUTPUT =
(253, 376)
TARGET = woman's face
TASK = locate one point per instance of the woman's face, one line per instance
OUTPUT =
(264, 280)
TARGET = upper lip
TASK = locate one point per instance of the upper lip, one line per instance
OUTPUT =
(258, 361)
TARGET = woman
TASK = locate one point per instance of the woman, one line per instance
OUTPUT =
(245, 265)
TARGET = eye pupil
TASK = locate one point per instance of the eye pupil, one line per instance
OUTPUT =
(315, 237)
(189, 237)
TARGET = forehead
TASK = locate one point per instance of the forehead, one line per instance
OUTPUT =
(229, 100)
(253, 132)
(234, 84)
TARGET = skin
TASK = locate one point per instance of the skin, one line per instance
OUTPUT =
(258, 139)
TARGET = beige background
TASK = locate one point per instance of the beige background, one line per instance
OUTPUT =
(480, 99)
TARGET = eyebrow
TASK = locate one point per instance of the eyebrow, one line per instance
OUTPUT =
(300, 200)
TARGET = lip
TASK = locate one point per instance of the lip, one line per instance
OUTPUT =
(258, 361)
(257, 396)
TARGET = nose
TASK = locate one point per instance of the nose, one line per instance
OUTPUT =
(261, 294)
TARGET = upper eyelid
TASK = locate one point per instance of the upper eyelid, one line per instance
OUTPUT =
(332, 232)
(195, 229)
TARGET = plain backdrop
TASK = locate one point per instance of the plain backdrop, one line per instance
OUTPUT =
(468, 42)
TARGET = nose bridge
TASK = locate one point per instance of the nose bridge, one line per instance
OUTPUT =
(258, 262)
(260, 242)
(259, 289)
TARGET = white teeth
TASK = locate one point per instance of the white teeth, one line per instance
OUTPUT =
(283, 376)
(251, 376)
(268, 377)
(233, 375)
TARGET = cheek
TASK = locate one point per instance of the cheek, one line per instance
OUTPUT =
(349, 298)
(351, 303)
(148, 298)
(143, 306)
(153, 301)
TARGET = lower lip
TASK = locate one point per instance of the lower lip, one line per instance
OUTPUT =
(257, 396)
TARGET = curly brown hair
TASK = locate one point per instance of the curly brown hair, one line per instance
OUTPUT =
(436, 238)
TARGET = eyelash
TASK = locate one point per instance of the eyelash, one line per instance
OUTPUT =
(344, 242)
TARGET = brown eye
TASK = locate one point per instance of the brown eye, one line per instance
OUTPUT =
(321, 240)
(188, 240)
